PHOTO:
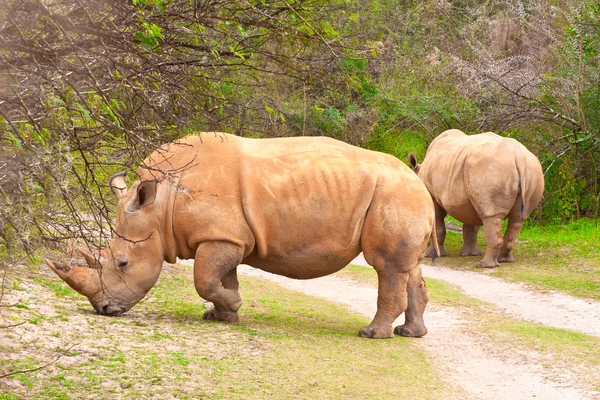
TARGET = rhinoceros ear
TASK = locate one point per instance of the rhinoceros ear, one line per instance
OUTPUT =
(412, 159)
(146, 193)
(118, 185)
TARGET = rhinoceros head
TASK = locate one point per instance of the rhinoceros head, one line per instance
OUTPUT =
(120, 275)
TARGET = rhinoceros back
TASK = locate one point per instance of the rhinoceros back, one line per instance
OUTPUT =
(478, 176)
(306, 200)
(298, 205)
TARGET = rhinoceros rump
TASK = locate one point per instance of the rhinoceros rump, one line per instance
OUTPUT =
(481, 180)
(298, 207)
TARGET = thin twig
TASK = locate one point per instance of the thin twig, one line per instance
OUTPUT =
(43, 366)
(12, 325)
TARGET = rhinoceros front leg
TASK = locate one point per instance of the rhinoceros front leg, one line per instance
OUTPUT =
(215, 279)
(418, 297)
(470, 247)
(440, 231)
(510, 237)
(492, 229)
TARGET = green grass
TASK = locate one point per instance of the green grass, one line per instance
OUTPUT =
(304, 334)
(560, 341)
(59, 288)
(549, 257)
(8, 397)
(286, 345)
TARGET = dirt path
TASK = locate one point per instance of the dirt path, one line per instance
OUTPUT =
(460, 357)
(551, 309)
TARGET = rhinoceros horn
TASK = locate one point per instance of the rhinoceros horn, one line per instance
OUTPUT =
(93, 261)
(84, 280)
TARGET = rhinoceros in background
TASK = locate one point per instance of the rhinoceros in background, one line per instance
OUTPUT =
(481, 180)
(298, 207)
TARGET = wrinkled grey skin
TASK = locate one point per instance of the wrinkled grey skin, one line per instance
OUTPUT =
(481, 180)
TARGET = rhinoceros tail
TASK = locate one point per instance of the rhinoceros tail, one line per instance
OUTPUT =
(521, 170)
(434, 242)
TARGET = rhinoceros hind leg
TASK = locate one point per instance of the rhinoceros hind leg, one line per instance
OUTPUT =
(394, 250)
(493, 238)
(391, 302)
(418, 297)
(510, 237)
(470, 247)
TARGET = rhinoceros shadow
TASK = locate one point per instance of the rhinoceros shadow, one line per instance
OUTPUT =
(279, 324)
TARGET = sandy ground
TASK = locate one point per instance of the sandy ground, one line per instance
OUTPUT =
(461, 357)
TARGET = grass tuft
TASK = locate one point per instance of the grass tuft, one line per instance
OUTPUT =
(549, 257)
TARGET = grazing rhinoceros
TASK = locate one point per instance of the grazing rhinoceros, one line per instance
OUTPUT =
(481, 180)
(298, 207)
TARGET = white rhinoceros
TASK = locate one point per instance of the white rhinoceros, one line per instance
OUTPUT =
(481, 180)
(298, 207)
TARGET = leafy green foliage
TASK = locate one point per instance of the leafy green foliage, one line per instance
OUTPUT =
(150, 36)
(117, 80)
(388, 75)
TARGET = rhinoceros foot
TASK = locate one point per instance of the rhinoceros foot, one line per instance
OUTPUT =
(430, 252)
(410, 330)
(227, 316)
(468, 251)
(487, 264)
(506, 258)
(376, 332)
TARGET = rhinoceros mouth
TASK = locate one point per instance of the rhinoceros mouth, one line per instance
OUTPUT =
(109, 309)
(105, 305)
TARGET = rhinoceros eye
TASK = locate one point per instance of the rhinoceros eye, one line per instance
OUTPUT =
(123, 265)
